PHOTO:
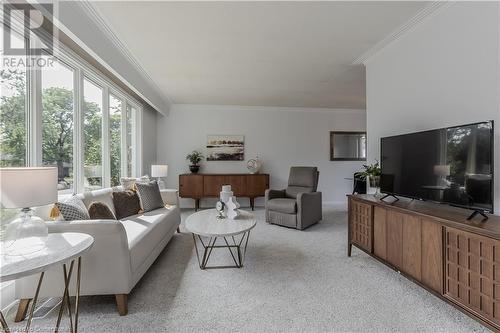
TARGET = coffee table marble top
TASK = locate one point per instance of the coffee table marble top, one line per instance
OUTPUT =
(205, 223)
(39, 254)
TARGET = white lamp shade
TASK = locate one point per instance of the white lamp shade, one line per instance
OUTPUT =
(159, 170)
(27, 187)
(442, 170)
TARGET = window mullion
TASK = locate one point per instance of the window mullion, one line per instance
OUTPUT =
(123, 141)
(78, 136)
(35, 111)
(106, 163)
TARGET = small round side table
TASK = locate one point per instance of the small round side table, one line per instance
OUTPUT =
(57, 249)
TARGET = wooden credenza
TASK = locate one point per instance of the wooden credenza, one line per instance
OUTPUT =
(197, 186)
(436, 247)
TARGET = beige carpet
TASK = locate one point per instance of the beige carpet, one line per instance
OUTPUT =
(293, 281)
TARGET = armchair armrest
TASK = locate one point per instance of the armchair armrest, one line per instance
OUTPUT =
(273, 194)
(309, 209)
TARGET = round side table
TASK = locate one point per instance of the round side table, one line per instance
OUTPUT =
(57, 249)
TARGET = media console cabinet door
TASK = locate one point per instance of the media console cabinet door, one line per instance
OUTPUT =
(412, 246)
(394, 226)
(191, 186)
(473, 273)
(380, 232)
(432, 255)
(361, 225)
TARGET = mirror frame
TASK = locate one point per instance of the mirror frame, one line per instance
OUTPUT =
(332, 135)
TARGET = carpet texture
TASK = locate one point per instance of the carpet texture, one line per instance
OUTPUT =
(293, 281)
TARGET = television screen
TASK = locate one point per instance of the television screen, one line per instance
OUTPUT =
(451, 165)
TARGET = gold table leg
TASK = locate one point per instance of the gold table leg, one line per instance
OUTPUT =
(5, 327)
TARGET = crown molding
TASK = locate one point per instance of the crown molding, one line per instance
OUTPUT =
(426, 12)
(94, 14)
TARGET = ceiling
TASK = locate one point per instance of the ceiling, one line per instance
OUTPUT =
(289, 54)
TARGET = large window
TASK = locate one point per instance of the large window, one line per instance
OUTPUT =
(58, 123)
(70, 116)
(92, 135)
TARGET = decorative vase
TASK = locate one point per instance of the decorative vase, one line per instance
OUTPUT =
(254, 165)
(232, 208)
(226, 193)
(194, 168)
(372, 184)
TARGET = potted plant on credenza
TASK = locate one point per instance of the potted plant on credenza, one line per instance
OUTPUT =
(194, 159)
(371, 174)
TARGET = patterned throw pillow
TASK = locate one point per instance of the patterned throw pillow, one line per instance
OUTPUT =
(100, 211)
(126, 203)
(73, 209)
(150, 196)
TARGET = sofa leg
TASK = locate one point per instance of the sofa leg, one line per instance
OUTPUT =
(121, 304)
(22, 309)
(178, 230)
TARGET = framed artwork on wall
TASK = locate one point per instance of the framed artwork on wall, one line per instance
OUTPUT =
(347, 146)
(225, 147)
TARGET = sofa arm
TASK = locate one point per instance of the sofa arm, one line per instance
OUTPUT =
(273, 194)
(309, 209)
(105, 267)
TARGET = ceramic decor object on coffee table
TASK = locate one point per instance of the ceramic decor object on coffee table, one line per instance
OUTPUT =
(207, 228)
(57, 249)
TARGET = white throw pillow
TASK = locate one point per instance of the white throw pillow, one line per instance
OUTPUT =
(129, 182)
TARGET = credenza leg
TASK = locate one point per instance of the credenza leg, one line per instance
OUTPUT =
(252, 204)
(196, 204)
(349, 248)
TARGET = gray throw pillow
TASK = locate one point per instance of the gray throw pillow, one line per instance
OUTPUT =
(73, 209)
(149, 195)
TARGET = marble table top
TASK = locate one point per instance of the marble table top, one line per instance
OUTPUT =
(32, 255)
(205, 223)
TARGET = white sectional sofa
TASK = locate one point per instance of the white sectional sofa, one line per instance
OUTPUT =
(122, 252)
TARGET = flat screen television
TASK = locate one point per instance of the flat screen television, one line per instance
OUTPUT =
(451, 165)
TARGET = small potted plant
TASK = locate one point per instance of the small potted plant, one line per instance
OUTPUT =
(372, 173)
(194, 158)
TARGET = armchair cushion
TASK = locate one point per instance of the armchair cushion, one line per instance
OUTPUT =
(283, 205)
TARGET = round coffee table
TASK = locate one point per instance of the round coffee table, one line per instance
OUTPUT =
(206, 224)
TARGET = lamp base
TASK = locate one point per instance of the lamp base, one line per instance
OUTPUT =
(26, 225)
(24, 235)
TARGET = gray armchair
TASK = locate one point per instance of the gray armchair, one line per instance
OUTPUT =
(299, 205)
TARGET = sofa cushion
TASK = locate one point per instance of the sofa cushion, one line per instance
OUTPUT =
(283, 205)
(145, 231)
(100, 211)
(126, 204)
(103, 195)
(150, 195)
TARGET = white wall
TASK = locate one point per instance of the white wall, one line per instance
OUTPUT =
(281, 137)
(444, 72)
(149, 138)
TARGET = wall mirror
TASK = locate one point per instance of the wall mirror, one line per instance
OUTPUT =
(347, 146)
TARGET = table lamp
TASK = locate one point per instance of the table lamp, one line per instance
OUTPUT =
(25, 188)
(159, 171)
(442, 171)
